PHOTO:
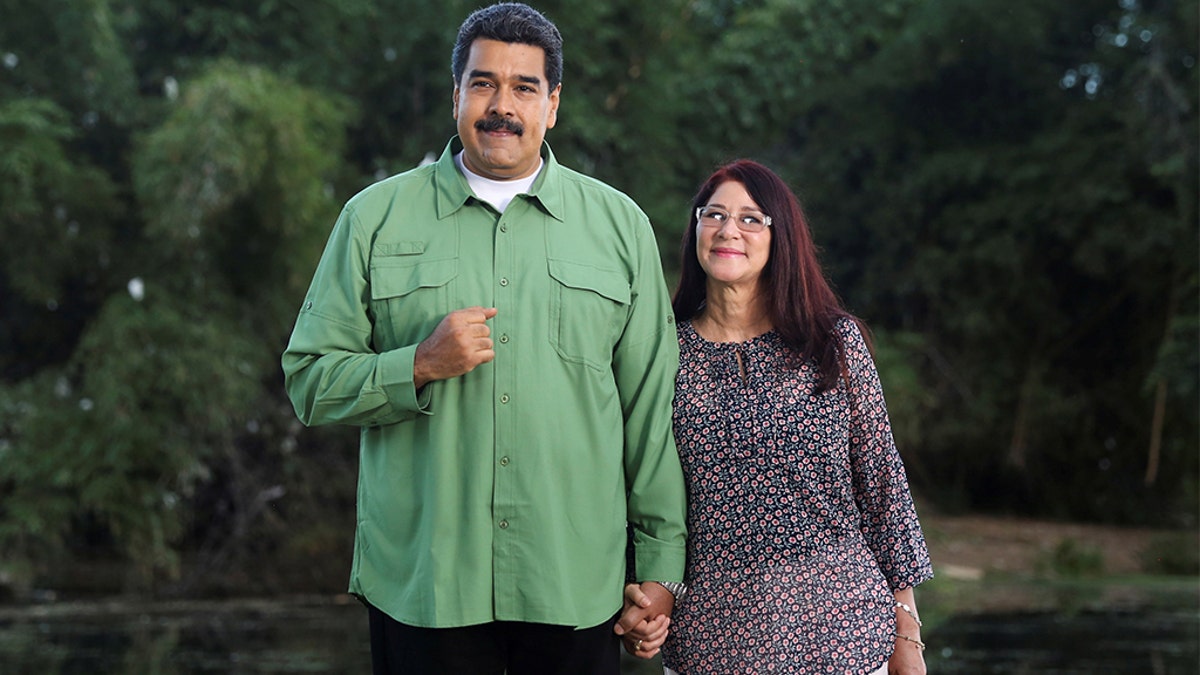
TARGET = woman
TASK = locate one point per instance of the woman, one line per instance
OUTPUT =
(804, 545)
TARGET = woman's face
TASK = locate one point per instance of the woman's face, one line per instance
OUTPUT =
(729, 254)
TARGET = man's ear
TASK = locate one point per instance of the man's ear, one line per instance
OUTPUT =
(555, 96)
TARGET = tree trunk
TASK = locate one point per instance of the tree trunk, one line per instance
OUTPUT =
(1156, 429)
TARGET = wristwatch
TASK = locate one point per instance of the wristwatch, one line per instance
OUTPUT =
(677, 588)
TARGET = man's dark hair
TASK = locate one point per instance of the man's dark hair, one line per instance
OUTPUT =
(511, 22)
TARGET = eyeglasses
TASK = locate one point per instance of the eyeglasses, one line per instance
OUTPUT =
(711, 216)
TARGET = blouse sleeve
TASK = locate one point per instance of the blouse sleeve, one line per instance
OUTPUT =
(889, 517)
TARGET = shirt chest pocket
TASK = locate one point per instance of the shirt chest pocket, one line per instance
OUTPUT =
(588, 309)
(409, 297)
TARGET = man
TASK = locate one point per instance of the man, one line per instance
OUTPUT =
(498, 326)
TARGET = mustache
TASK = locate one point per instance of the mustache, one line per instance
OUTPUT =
(496, 123)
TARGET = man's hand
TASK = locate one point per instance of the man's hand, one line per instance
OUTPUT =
(644, 622)
(459, 343)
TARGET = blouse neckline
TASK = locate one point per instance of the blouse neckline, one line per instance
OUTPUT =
(764, 338)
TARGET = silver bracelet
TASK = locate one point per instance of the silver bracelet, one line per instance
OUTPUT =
(909, 611)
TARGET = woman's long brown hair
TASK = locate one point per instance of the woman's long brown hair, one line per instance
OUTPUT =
(802, 305)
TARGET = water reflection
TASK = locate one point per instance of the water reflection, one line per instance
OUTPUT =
(1153, 642)
(330, 636)
(308, 636)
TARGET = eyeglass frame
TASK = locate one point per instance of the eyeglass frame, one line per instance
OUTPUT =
(700, 210)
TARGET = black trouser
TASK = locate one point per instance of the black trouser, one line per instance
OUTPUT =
(497, 648)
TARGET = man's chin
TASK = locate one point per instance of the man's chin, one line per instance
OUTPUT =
(499, 168)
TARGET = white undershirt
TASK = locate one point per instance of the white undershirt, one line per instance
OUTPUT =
(498, 193)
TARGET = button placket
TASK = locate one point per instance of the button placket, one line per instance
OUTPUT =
(503, 269)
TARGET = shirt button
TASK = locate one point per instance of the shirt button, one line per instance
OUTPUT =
(504, 227)
(503, 461)
(503, 281)
(504, 339)
(308, 305)
(504, 524)
(504, 398)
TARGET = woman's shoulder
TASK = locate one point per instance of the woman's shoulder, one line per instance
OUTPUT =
(849, 328)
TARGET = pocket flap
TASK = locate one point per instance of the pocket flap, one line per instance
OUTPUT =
(608, 283)
(397, 248)
(394, 281)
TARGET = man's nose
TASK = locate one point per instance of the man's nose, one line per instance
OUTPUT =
(501, 103)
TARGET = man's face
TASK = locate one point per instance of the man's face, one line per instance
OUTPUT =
(504, 107)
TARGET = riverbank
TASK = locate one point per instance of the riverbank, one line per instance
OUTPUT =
(963, 548)
(975, 547)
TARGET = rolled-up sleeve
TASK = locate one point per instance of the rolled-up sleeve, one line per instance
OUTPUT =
(332, 373)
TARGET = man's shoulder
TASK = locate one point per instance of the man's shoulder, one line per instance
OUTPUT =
(382, 193)
(585, 187)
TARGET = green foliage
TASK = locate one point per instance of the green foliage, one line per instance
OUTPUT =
(165, 379)
(623, 117)
(969, 191)
(153, 398)
(57, 212)
(910, 403)
(235, 186)
(88, 71)
(1175, 553)
(1071, 559)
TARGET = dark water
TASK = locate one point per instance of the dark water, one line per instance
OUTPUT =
(309, 636)
(324, 636)
(1157, 642)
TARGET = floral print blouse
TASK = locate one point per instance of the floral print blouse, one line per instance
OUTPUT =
(800, 519)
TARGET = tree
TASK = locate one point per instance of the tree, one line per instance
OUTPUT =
(983, 192)
(172, 377)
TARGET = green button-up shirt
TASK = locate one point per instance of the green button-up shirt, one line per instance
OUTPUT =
(502, 494)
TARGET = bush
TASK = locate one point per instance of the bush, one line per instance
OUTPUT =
(1175, 553)
(1072, 559)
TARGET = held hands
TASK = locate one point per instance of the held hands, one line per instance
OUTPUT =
(644, 621)
(459, 343)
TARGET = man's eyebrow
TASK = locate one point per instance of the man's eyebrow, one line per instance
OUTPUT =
(489, 75)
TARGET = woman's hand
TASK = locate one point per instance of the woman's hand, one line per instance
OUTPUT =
(645, 637)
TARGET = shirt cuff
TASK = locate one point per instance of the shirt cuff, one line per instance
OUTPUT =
(396, 377)
(657, 561)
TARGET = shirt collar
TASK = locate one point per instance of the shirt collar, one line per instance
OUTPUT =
(453, 191)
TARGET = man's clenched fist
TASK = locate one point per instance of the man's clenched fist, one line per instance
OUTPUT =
(461, 341)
